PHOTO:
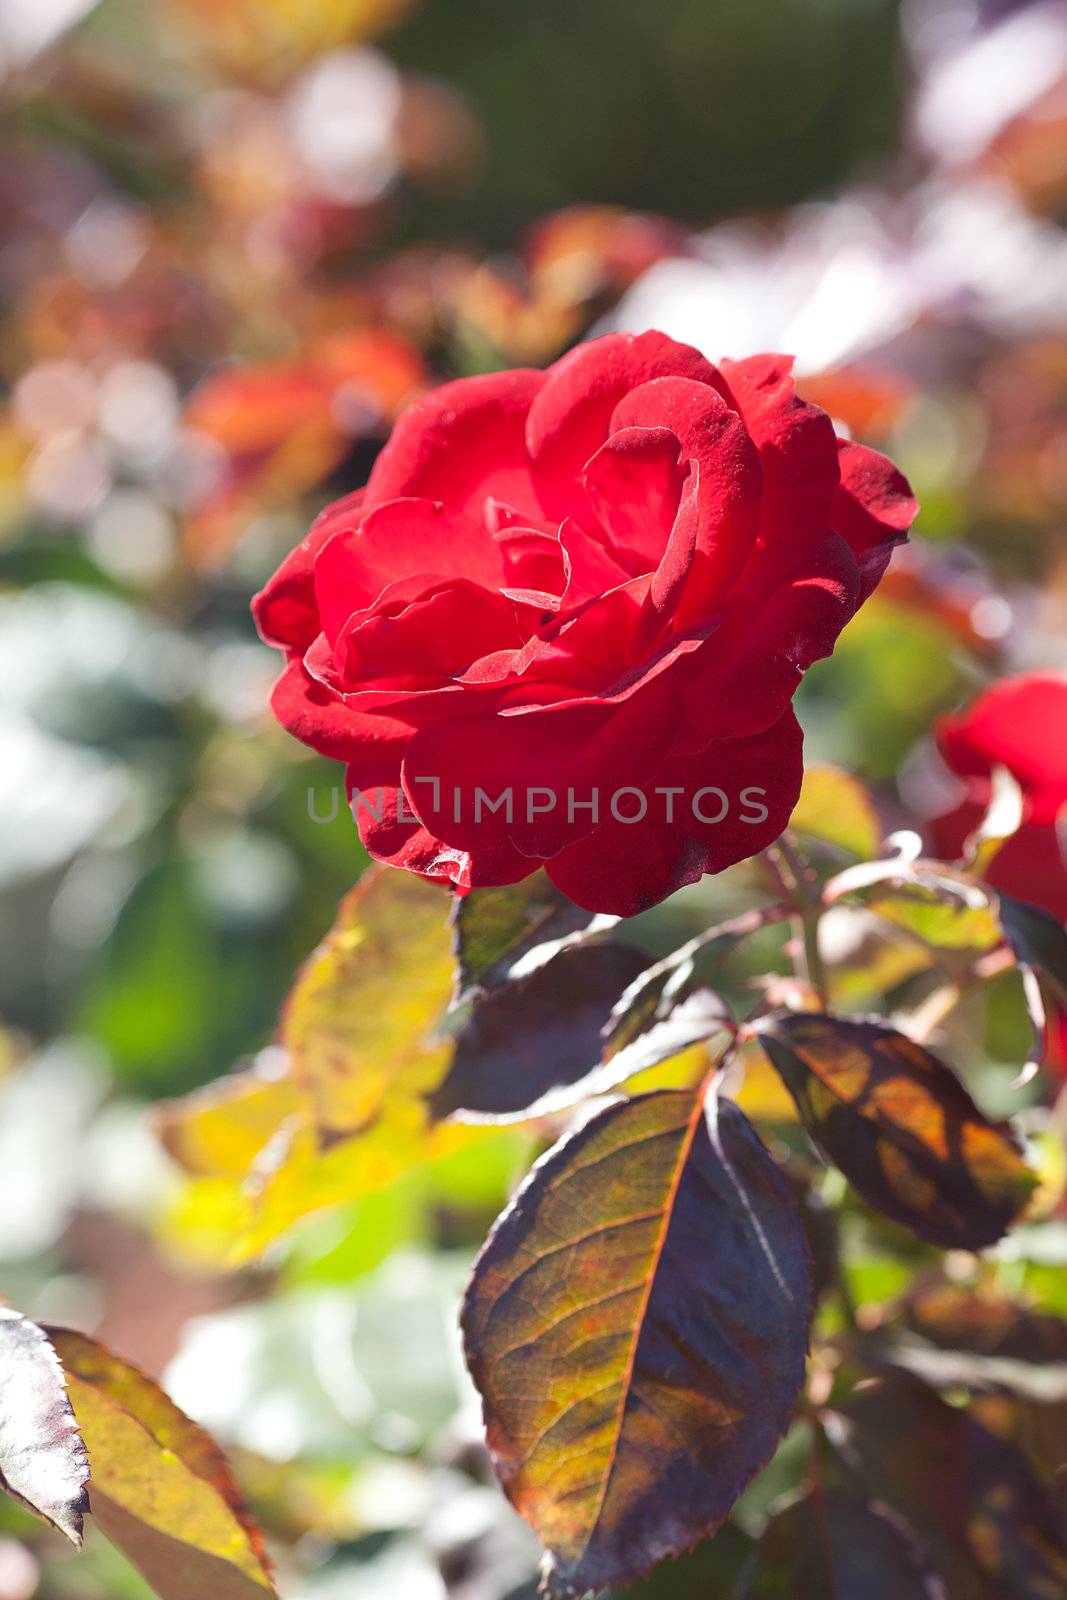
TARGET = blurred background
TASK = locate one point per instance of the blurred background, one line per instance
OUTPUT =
(236, 236)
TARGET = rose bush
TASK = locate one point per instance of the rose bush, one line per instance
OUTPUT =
(1020, 724)
(564, 622)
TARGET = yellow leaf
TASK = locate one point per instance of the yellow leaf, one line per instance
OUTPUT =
(298, 1177)
(218, 1131)
(358, 1020)
(160, 1488)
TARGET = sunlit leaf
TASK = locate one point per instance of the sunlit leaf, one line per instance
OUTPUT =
(218, 1131)
(839, 1547)
(497, 930)
(1037, 939)
(877, 961)
(760, 1092)
(835, 808)
(942, 906)
(42, 1457)
(161, 1489)
(901, 1127)
(673, 1029)
(990, 1529)
(359, 1018)
(636, 1325)
(537, 1034)
(294, 1177)
(942, 924)
(683, 972)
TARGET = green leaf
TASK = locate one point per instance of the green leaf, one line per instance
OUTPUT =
(497, 929)
(835, 808)
(944, 924)
(943, 906)
(42, 1458)
(901, 1127)
(837, 1546)
(636, 1325)
(161, 1489)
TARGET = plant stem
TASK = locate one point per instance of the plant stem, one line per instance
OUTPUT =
(792, 873)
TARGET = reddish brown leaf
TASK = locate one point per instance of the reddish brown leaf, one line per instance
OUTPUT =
(954, 1338)
(536, 1034)
(636, 1325)
(988, 1324)
(901, 1127)
(989, 1527)
(835, 1546)
(496, 929)
(42, 1457)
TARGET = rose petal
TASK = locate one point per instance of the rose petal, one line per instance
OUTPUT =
(435, 637)
(798, 451)
(873, 509)
(395, 542)
(625, 867)
(285, 609)
(462, 444)
(590, 569)
(569, 420)
(720, 516)
(1018, 724)
(533, 565)
(382, 815)
(746, 675)
(549, 760)
(634, 483)
(319, 718)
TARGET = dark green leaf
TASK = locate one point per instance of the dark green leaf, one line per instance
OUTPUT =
(1037, 939)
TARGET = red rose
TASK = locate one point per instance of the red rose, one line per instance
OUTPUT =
(593, 590)
(1020, 724)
